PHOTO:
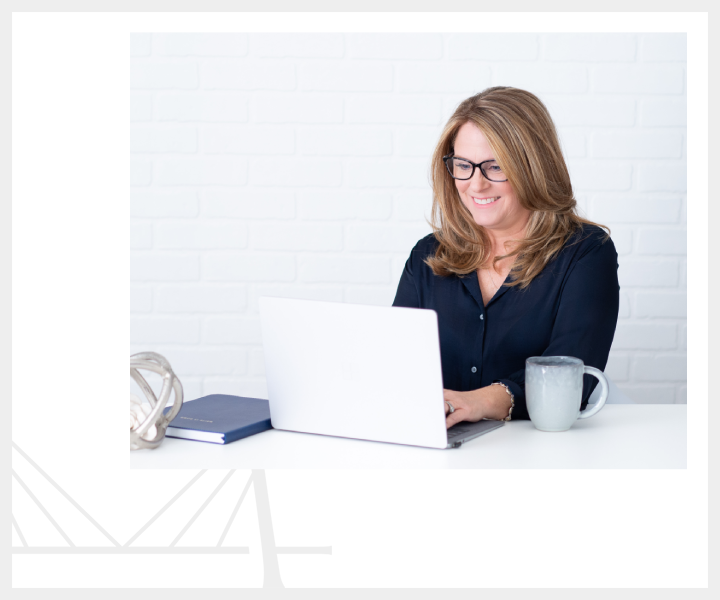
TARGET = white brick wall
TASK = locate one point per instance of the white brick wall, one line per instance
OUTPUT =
(201, 44)
(281, 45)
(200, 171)
(574, 47)
(493, 46)
(297, 165)
(415, 46)
(157, 203)
(339, 76)
(247, 74)
(224, 107)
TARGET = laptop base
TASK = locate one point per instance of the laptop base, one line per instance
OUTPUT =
(465, 431)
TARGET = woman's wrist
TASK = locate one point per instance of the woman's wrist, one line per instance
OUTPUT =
(497, 402)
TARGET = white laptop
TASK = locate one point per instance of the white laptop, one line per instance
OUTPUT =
(356, 371)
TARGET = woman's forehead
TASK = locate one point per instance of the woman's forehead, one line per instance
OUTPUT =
(472, 144)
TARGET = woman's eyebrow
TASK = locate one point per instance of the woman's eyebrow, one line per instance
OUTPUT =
(472, 161)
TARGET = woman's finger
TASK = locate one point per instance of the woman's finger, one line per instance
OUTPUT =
(453, 418)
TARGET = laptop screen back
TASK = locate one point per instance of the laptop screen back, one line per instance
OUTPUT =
(363, 372)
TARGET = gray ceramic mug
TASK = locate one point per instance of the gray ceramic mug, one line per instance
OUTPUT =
(553, 391)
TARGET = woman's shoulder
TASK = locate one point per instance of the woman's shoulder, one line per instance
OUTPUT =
(588, 238)
(425, 246)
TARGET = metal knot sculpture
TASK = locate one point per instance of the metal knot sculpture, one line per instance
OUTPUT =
(154, 420)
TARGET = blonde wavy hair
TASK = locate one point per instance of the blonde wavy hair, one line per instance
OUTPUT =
(525, 143)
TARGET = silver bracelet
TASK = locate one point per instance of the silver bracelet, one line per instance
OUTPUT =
(512, 400)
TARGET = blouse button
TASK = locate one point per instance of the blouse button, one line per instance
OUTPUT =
(474, 369)
(481, 317)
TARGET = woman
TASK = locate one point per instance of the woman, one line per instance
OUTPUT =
(511, 269)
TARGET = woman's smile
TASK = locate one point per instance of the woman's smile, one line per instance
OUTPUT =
(480, 201)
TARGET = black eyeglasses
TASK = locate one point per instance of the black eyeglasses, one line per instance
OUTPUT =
(463, 169)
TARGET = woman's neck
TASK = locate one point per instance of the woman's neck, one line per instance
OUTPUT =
(503, 242)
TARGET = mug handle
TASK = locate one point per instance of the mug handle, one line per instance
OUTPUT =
(604, 390)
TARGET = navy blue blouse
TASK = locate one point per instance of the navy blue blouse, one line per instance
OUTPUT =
(570, 309)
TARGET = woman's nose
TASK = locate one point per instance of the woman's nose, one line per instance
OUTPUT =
(478, 180)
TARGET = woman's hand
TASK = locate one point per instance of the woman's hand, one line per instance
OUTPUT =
(490, 402)
(467, 405)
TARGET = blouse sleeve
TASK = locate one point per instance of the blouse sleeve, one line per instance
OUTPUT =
(407, 294)
(585, 322)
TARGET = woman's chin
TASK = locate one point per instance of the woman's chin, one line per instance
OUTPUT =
(484, 221)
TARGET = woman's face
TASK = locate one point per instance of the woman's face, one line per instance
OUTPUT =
(503, 215)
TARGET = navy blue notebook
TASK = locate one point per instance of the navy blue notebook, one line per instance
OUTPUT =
(220, 419)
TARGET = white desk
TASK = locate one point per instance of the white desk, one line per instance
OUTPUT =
(620, 436)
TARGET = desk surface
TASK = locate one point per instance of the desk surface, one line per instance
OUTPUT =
(620, 436)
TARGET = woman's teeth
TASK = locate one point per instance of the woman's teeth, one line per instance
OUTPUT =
(485, 200)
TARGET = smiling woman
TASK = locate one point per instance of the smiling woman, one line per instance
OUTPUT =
(488, 197)
(511, 269)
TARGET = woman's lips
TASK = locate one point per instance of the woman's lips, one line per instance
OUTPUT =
(485, 201)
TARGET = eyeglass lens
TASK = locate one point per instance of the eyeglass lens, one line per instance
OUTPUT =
(462, 169)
